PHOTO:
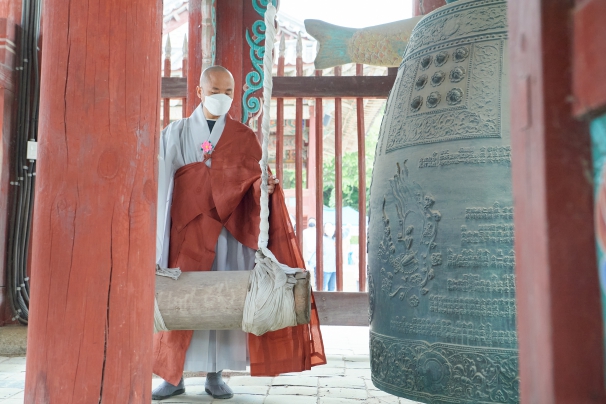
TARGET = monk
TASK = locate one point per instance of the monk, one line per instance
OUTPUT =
(208, 220)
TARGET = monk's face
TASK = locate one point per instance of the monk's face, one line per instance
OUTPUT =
(218, 82)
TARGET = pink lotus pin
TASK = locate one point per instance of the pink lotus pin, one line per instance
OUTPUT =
(207, 147)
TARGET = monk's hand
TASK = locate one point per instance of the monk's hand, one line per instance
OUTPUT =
(271, 184)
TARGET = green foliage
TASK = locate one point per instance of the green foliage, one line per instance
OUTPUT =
(350, 172)
(289, 179)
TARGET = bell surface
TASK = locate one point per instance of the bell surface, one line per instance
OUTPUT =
(441, 255)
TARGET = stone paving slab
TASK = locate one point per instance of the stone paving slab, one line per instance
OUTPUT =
(336, 392)
(278, 399)
(357, 365)
(253, 390)
(358, 373)
(8, 392)
(293, 391)
(332, 400)
(309, 381)
(344, 380)
(249, 381)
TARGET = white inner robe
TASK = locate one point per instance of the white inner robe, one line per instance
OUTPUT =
(180, 143)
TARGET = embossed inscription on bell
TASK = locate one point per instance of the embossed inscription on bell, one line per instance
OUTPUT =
(441, 260)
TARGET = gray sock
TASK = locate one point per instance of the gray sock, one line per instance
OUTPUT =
(216, 387)
(166, 390)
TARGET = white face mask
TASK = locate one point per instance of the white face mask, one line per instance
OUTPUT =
(217, 104)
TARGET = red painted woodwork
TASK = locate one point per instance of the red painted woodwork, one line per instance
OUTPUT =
(166, 101)
(310, 165)
(422, 7)
(299, 159)
(339, 186)
(11, 11)
(194, 53)
(589, 63)
(306, 87)
(7, 110)
(361, 186)
(8, 56)
(280, 127)
(175, 87)
(7, 106)
(319, 190)
(331, 86)
(230, 46)
(91, 318)
(559, 319)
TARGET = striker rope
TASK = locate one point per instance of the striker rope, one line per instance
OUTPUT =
(269, 304)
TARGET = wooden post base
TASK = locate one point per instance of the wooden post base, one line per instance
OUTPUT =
(214, 300)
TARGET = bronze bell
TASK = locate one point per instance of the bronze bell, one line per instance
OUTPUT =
(441, 255)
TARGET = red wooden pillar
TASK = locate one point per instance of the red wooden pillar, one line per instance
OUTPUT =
(194, 52)
(10, 15)
(201, 46)
(91, 313)
(339, 186)
(422, 7)
(230, 46)
(167, 73)
(559, 322)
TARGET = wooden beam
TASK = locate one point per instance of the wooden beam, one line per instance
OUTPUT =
(92, 300)
(557, 293)
(331, 87)
(306, 87)
(342, 308)
(175, 87)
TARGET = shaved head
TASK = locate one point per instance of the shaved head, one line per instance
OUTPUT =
(214, 71)
(215, 80)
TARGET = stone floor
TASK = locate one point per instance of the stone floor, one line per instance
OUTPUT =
(345, 379)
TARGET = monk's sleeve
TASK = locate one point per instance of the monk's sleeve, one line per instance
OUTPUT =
(167, 165)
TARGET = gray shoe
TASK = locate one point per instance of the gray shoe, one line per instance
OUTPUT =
(216, 387)
(166, 390)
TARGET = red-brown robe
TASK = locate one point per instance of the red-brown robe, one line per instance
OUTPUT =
(206, 199)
